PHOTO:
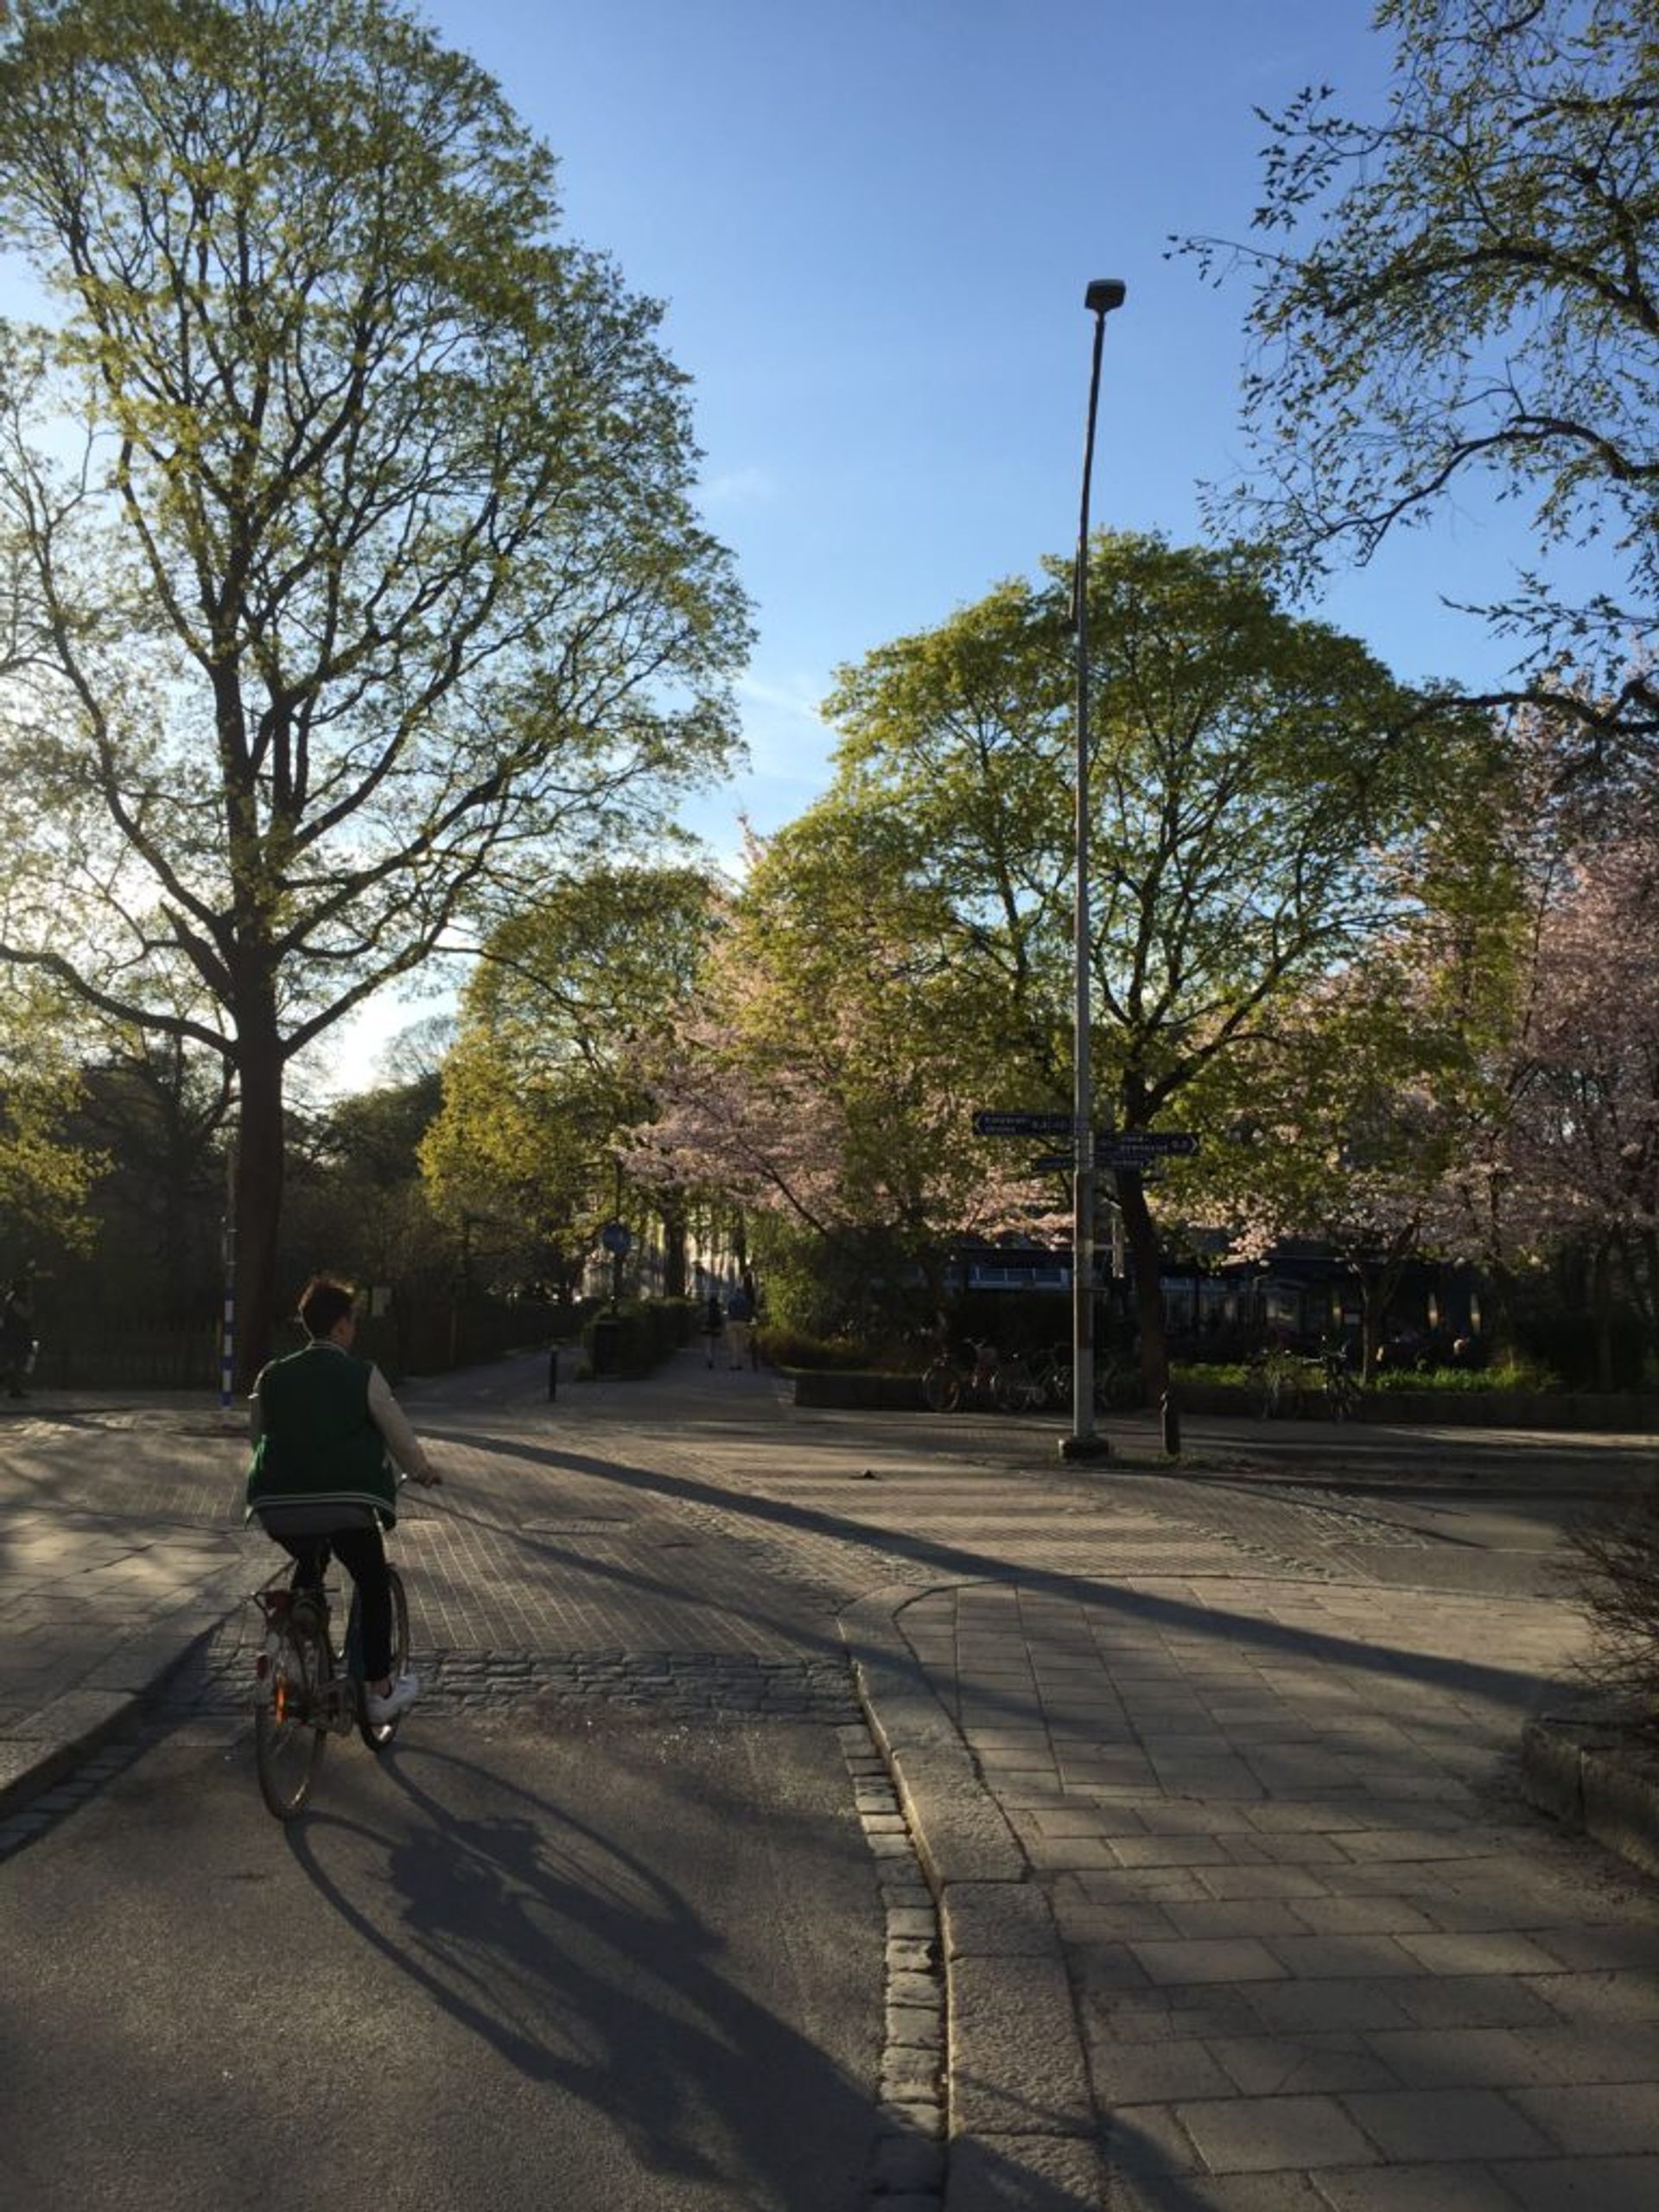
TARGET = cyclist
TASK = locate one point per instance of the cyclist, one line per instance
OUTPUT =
(327, 1433)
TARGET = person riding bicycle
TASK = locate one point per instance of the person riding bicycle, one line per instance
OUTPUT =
(326, 1431)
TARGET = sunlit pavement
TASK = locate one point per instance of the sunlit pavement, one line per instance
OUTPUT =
(1212, 1772)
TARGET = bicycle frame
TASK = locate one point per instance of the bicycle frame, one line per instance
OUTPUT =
(332, 1703)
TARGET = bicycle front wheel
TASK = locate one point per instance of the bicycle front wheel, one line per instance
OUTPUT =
(377, 1737)
(289, 1739)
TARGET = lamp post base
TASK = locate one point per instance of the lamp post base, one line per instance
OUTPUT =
(1084, 1447)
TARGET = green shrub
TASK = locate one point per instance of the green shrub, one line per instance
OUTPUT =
(1205, 1373)
(1528, 1375)
(780, 1346)
(647, 1329)
(1507, 1375)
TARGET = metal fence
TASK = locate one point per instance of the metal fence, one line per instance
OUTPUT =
(105, 1349)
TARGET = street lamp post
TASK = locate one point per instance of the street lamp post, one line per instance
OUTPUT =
(1104, 293)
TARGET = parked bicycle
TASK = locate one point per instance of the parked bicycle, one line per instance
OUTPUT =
(1341, 1387)
(1051, 1374)
(307, 1688)
(1278, 1376)
(978, 1374)
(1014, 1386)
(1118, 1385)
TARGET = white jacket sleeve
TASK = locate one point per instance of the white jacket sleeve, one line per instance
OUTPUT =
(393, 1423)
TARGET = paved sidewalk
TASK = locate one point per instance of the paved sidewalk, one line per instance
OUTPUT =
(1211, 1779)
(118, 1550)
(1214, 1788)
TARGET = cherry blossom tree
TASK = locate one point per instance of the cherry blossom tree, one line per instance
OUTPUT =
(1583, 1145)
(826, 1077)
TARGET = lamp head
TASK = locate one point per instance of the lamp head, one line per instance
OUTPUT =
(1104, 293)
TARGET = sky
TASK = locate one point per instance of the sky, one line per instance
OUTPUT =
(871, 225)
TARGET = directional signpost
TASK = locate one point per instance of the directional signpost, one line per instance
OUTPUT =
(1113, 1147)
(1021, 1123)
(1141, 1148)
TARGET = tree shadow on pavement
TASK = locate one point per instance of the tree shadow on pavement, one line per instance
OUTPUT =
(1509, 1686)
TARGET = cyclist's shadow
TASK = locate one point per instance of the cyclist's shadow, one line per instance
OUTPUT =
(584, 1968)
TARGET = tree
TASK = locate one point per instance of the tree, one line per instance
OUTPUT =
(1467, 289)
(158, 1108)
(570, 1005)
(376, 585)
(1368, 1115)
(826, 1074)
(1582, 1145)
(47, 1174)
(357, 1204)
(1256, 779)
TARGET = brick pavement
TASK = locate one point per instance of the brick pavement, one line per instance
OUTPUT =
(1256, 1755)
(1211, 1784)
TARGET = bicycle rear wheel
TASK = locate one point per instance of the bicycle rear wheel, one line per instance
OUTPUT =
(377, 1737)
(1117, 1386)
(941, 1386)
(1013, 1390)
(288, 1738)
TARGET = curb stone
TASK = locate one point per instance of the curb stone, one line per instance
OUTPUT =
(1021, 2118)
(69, 1731)
(1596, 1771)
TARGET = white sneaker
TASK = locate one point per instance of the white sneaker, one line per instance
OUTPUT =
(397, 1699)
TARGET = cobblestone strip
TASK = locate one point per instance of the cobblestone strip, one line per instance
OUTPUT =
(1019, 2114)
(906, 2171)
(695, 1684)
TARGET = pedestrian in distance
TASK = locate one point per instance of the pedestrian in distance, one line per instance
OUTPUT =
(328, 1439)
(714, 1324)
(739, 1327)
(17, 1336)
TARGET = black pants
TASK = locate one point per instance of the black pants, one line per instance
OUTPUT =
(363, 1554)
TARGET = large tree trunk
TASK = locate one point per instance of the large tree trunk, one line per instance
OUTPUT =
(258, 1189)
(1141, 1236)
(676, 1274)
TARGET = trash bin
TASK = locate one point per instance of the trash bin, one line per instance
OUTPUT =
(607, 1345)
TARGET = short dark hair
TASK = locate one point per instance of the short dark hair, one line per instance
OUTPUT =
(324, 1300)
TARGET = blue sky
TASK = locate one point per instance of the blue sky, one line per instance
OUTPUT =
(872, 225)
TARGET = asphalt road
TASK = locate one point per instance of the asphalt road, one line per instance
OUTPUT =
(548, 1958)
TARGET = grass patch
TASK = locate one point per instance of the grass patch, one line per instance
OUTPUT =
(1506, 1375)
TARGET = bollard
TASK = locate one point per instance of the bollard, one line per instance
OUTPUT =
(552, 1374)
(1172, 1426)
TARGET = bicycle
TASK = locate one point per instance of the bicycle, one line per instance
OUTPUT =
(1051, 1372)
(948, 1381)
(306, 1690)
(1278, 1375)
(1117, 1384)
(1341, 1390)
(1014, 1386)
